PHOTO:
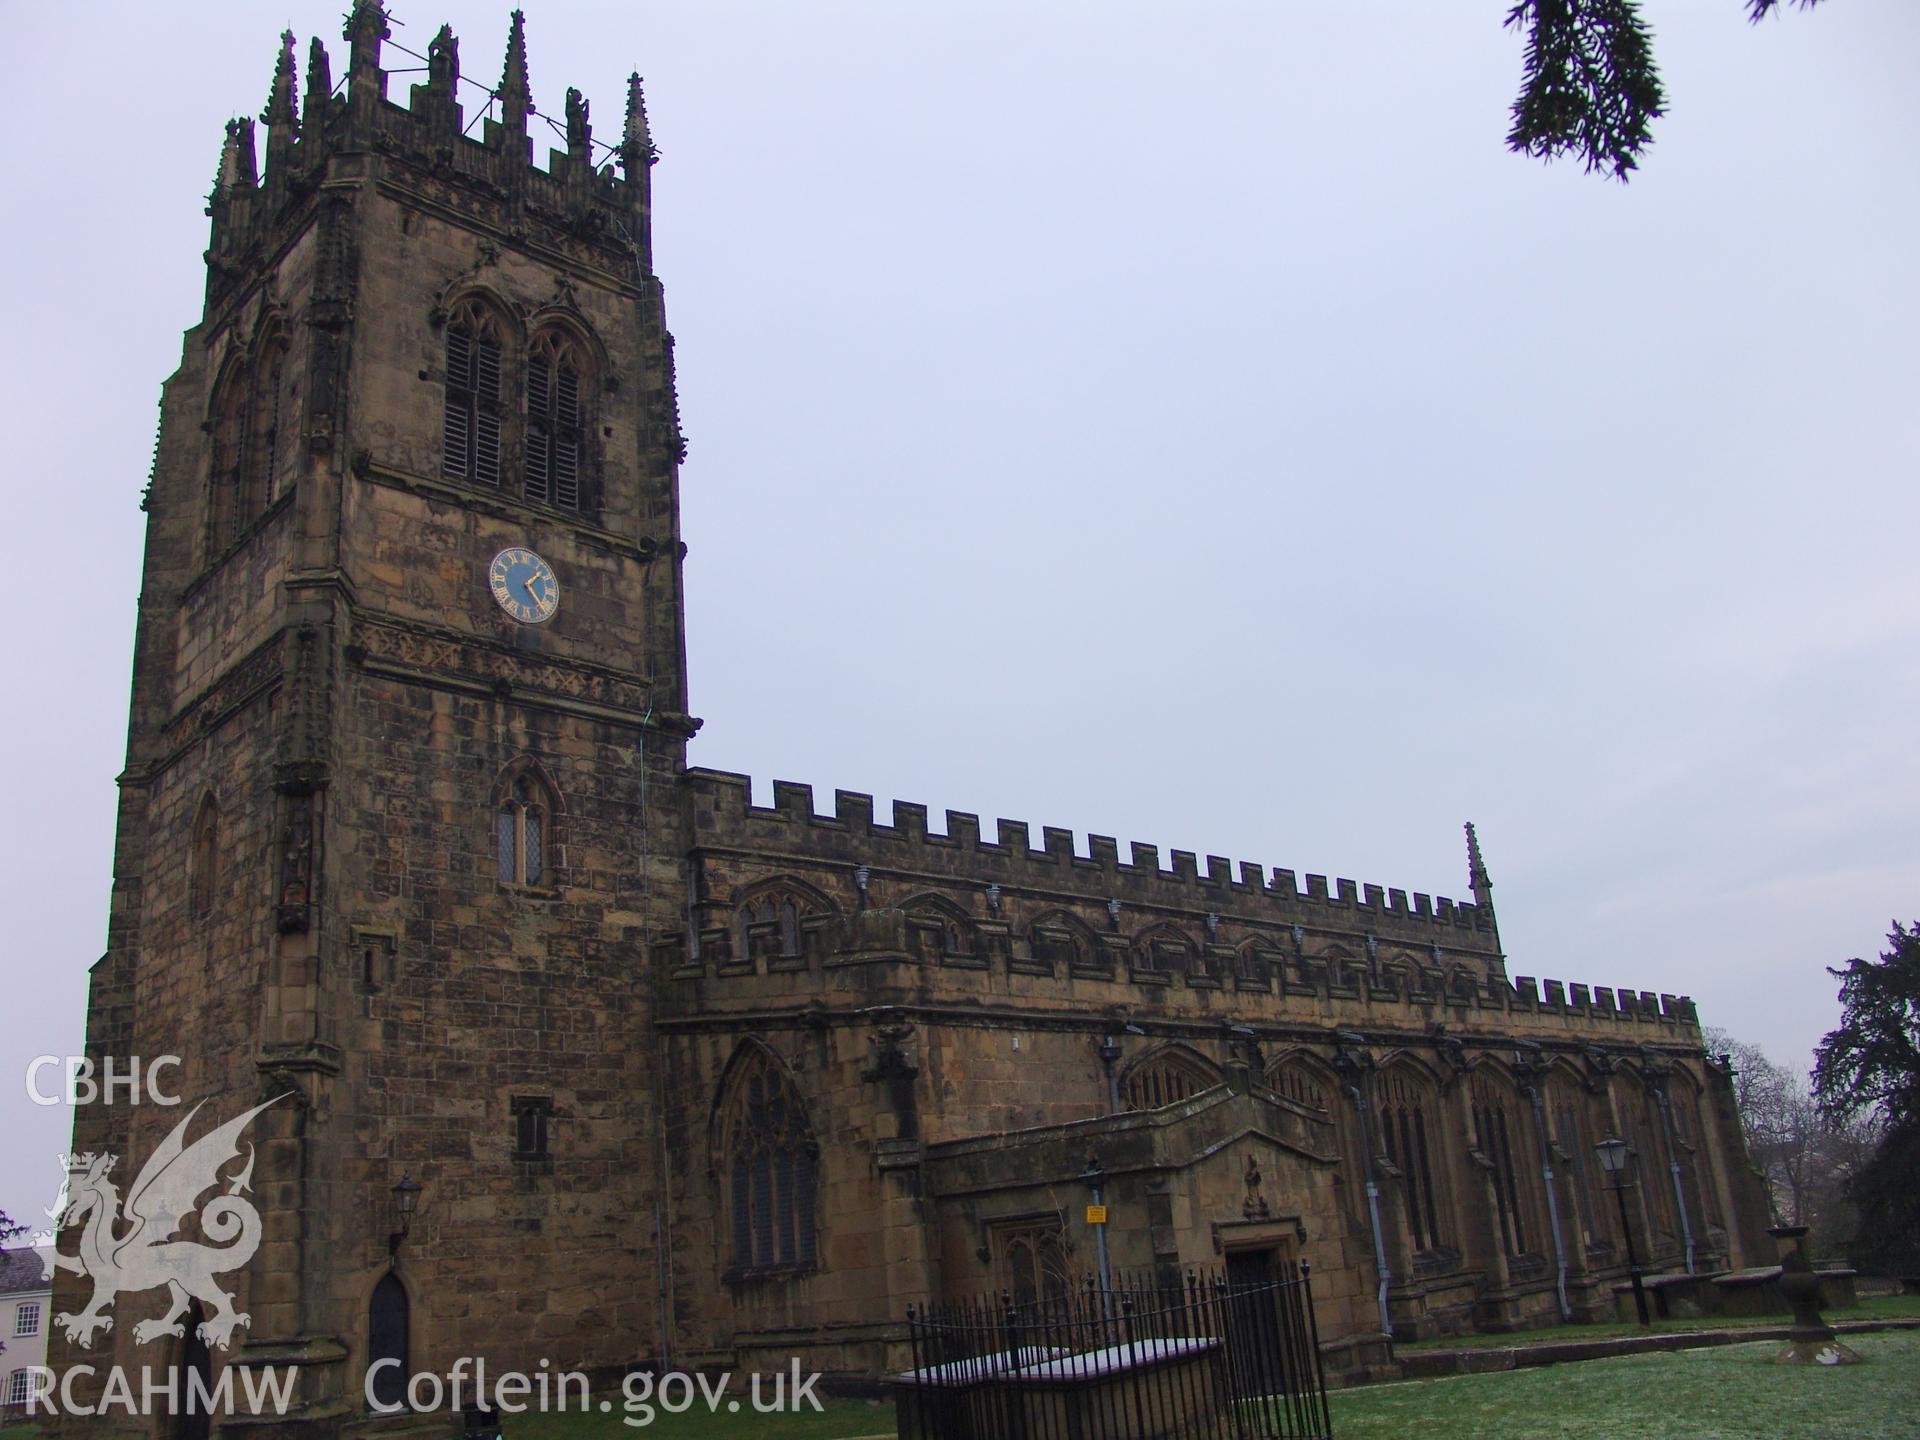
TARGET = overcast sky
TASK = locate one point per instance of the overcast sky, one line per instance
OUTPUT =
(1179, 421)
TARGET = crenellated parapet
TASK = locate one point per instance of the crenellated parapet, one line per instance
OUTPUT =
(788, 896)
(591, 202)
(851, 835)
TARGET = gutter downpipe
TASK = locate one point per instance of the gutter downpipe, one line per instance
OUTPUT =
(1553, 1203)
(1679, 1185)
(1373, 1210)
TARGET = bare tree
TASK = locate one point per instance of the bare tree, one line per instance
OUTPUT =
(1805, 1159)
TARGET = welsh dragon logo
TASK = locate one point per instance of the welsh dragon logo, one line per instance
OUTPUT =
(134, 1248)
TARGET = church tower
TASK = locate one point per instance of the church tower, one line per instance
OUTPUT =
(401, 805)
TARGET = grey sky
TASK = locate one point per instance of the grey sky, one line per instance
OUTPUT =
(1183, 422)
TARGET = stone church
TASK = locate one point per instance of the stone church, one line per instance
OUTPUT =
(408, 833)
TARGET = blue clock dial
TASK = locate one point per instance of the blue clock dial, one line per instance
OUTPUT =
(524, 585)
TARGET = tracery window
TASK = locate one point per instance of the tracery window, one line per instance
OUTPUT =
(1577, 1159)
(267, 439)
(1494, 1140)
(556, 425)
(521, 832)
(774, 919)
(1403, 1135)
(471, 411)
(228, 426)
(1033, 1260)
(1166, 1077)
(768, 1161)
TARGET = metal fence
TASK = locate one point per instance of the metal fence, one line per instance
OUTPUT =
(1200, 1357)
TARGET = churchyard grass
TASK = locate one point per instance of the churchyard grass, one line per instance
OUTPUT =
(1881, 1307)
(1732, 1392)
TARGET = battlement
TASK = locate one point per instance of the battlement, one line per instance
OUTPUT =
(726, 812)
(578, 195)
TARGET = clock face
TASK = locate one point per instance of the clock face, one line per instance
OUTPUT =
(524, 585)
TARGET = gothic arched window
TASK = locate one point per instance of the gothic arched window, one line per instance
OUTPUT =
(556, 421)
(472, 406)
(772, 918)
(1573, 1135)
(203, 859)
(767, 1163)
(1166, 1077)
(522, 832)
(1403, 1135)
(1494, 1132)
(268, 429)
(228, 428)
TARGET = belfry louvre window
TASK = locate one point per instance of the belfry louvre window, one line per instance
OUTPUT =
(520, 834)
(768, 1169)
(554, 423)
(472, 409)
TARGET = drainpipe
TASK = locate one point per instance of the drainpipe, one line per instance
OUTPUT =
(1673, 1166)
(1553, 1204)
(1354, 1066)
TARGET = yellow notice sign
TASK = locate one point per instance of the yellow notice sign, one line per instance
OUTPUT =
(1096, 1214)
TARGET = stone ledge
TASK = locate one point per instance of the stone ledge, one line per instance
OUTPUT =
(1479, 1360)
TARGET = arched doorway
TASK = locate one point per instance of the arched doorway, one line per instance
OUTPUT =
(387, 1317)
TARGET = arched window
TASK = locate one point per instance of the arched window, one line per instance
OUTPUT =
(1295, 1081)
(1164, 951)
(1059, 941)
(472, 405)
(767, 925)
(268, 441)
(556, 421)
(1494, 1131)
(1166, 1077)
(1696, 1159)
(1403, 1135)
(1574, 1139)
(203, 859)
(387, 1322)
(767, 1163)
(1034, 1263)
(228, 429)
(1640, 1127)
(522, 827)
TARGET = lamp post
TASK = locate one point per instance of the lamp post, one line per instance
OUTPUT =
(1613, 1162)
(406, 1199)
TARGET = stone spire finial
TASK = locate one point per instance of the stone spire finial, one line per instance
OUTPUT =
(579, 130)
(516, 93)
(1476, 866)
(280, 114)
(636, 149)
(319, 85)
(237, 166)
(366, 27)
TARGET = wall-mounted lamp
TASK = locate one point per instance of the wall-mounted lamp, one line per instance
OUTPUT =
(406, 1199)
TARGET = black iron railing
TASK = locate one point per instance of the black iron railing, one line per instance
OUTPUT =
(1199, 1357)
